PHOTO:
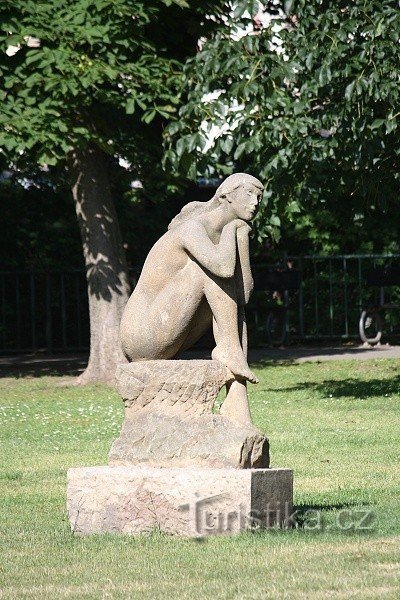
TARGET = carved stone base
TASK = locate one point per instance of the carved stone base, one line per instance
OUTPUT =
(169, 420)
(206, 441)
(185, 388)
(186, 502)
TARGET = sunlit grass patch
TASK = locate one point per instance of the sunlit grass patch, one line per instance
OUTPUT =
(336, 424)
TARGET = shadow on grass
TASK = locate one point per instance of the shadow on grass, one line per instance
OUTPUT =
(306, 512)
(36, 365)
(349, 388)
(41, 365)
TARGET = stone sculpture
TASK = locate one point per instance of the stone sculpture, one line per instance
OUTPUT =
(199, 273)
(177, 465)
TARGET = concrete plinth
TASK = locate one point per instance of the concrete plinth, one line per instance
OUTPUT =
(182, 501)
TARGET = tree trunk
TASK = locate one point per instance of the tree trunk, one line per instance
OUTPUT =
(106, 268)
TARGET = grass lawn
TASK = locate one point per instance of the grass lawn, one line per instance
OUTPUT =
(336, 424)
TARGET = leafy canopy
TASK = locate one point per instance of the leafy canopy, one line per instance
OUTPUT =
(310, 104)
(80, 71)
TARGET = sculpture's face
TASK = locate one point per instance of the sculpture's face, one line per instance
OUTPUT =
(245, 201)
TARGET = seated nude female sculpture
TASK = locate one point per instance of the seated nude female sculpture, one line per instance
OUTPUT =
(198, 273)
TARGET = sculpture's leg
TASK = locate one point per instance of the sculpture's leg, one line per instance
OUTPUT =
(158, 328)
(229, 328)
(201, 323)
(221, 296)
(220, 306)
(236, 403)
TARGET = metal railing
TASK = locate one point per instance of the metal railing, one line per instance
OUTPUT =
(43, 310)
(331, 295)
(49, 310)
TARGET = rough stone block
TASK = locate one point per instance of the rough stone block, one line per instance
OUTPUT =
(169, 419)
(185, 388)
(181, 501)
(207, 441)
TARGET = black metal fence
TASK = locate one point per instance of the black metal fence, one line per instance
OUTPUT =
(332, 292)
(43, 310)
(49, 310)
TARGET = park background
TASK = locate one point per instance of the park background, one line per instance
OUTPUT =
(108, 115)
(119, 113)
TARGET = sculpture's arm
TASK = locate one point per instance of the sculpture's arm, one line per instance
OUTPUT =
(244, 272)
(219, 259)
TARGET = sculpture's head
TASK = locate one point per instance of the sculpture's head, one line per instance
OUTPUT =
(242, 193)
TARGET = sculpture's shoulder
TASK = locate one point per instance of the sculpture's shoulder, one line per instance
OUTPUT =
(171, 244)
(190, 227)
(168, 238)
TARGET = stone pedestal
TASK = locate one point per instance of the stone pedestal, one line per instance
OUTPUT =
(169, 420)
(177, 466)
(181, 501)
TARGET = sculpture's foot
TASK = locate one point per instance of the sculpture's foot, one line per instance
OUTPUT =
(236, 404)
(235, 361)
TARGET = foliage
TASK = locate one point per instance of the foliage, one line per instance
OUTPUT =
(322, 420)
(309, 104)
(80, 72)
(92, 71)
(38, 228)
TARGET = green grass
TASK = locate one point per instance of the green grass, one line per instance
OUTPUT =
(336, 424)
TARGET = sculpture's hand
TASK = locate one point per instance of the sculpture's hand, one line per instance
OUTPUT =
(240, 225)
(243, 231)
(219, 259)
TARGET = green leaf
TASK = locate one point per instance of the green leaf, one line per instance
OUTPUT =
(228, 144)
(275, 220)
(14, 40)
(130, 106)
(180, 147)
(349, 90)
(239, 150)
(149, 116)
(288, 6)
(391, 125)
(48, 159)
(141, 104)
(191, 142)
(79, 18)
(240, 8)
(186, 162)
(377, 123)
(33, 56)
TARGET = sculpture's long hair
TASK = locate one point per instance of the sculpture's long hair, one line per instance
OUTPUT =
(193, 209)
(231, 183)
